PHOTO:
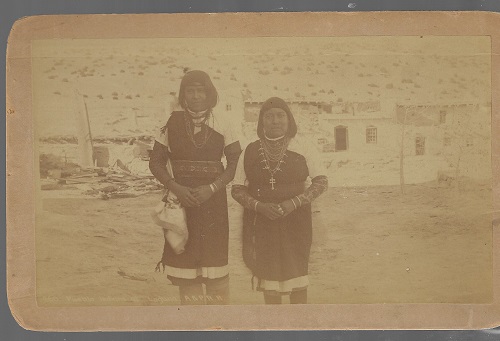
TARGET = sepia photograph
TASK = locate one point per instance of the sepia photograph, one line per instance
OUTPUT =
(392, 133)
(252, 177)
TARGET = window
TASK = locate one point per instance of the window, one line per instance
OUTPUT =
(442, 117)
(447, 141)
(371, 135)
(327, 108)
(228, 107)
(469, 142)
(419, 145)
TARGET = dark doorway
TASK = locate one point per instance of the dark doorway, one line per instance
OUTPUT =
(340, 138)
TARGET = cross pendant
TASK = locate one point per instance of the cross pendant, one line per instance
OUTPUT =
(272, 181)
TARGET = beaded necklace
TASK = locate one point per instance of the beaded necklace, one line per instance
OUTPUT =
(191, 124)
(273, 150)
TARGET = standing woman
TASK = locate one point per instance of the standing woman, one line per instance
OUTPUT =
(195, 140)
(270, 183)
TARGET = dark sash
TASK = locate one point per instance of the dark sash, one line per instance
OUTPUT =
(197, 169)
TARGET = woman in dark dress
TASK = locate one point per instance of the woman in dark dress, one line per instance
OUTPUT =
(270, 183)
(195, 140)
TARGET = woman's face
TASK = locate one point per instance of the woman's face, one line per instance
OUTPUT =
(196, 97)
(275, 121)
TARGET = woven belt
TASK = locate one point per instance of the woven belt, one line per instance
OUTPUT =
(197, 169)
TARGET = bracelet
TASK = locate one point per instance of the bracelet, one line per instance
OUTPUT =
(300, 201)
(212, 187)
(255, 206)
(294, 204)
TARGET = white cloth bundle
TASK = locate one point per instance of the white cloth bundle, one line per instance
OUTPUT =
(171, 216)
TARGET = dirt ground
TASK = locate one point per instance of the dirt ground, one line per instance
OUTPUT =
(370, 245)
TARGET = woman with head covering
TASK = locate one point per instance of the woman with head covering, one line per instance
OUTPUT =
(270, 183)
(195, 140)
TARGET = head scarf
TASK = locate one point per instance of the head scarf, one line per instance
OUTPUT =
(201, 77)
(276, 102)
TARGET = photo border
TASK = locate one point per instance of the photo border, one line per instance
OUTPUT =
(20, 142)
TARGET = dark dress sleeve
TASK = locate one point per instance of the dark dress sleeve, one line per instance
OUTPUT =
(158, 163)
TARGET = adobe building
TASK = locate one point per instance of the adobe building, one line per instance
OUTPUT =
(337, 126)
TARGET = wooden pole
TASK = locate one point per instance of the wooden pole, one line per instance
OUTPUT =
(85, 147)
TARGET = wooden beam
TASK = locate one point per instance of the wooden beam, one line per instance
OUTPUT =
(85, 147)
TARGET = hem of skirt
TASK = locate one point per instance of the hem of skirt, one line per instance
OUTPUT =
(213, 272)
(298, 284)
(281, 293)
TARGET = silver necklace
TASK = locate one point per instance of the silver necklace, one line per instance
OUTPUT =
(273, 152)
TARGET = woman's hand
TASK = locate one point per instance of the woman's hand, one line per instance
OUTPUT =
(270, 210)
(202, 193)
(287, 207)
(185, 195)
